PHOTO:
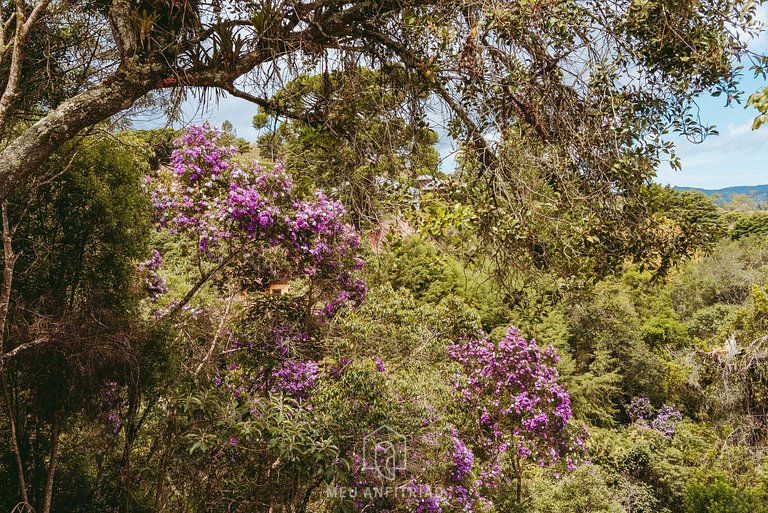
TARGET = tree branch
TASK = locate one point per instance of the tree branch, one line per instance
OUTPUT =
(212, 347)
(173, 312)
(23, 156)
(5, 357)
(485, 154)
(272, 107)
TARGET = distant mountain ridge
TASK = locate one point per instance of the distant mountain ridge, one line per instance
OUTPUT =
(758, 192)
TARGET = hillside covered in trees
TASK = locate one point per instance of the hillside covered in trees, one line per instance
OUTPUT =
(163, 359)
(740, 198)
(320, 319)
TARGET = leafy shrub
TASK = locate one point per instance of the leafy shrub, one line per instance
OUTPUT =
(713, 492)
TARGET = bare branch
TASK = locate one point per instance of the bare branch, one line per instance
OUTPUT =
(13, 353)
(212, 347)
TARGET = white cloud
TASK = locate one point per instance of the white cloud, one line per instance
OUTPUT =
(760, 43)
(736, 157)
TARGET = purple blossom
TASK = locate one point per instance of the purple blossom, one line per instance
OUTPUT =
(640, 410)
(295, 378)
(515, 386)
(463, 459)
(231, 210)
(154, 284)
(665, 420)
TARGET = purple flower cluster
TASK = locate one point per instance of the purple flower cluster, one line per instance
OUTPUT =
(468, 498)
(154, 284)
(231, 211)
(295, 378)
(463, 459)
(197, 154)
(514, 385)
(427, 504)
(665, 420)
(640, 410)
(423, 499)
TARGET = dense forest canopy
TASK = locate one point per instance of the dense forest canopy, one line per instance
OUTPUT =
(321, 319)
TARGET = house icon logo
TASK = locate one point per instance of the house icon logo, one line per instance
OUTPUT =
(385, 452)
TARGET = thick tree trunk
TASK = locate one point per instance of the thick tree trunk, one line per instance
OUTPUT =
(24, 155)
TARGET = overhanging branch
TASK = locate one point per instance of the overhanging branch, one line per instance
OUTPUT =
(272, 107)
(485, 154)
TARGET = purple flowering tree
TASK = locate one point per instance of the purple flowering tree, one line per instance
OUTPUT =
(250, 225)
(244, 217)
(523, 411)
(240, 215)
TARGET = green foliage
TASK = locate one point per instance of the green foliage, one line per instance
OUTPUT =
(421, 267)
(403, 331)
(713, 492)
(159, 145)
(295, 443)
(370, 147)
(759, 100)
(710, 320)
(608, 321)
(697, 223)
(587, 490)
(673, 55)
(648, 462)
(664, 331)
(596, 391)
(81, 234)
(750, 323)
(78, 238)
(726, 276)
(750, 224)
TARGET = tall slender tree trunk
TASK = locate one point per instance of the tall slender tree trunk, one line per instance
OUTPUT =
(54, 456)
(14, 439)
(9, 260)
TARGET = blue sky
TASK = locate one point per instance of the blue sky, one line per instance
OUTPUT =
(738, 156)
(735, 157)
